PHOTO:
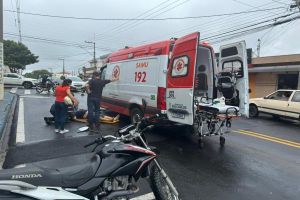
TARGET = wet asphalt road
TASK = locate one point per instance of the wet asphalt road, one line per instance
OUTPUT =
(250, 166)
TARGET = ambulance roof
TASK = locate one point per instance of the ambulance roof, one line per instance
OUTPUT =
(157, 48)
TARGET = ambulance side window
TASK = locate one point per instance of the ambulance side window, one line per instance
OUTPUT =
(180, 66)
(103, 72)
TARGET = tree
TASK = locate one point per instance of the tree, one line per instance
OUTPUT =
(36, 74)
(17, 56)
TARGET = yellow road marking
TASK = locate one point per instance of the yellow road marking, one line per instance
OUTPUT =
(269, 138)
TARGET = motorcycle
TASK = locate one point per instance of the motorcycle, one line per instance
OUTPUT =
(109, 172)
(45, 87)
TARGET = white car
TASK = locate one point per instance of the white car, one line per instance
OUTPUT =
(77, 83)
(19, 80)
(281, 103)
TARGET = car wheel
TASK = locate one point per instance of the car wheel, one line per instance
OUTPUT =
(253, 111)
(136, 114)
(27, 85)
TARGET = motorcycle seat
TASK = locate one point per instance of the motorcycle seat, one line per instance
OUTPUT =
(66, 172)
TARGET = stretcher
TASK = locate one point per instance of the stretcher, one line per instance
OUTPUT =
(213, 119)
(101, 121)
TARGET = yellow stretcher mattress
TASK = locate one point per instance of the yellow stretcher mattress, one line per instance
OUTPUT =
(101, 121)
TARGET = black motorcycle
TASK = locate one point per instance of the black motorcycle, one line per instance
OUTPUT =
(109, 172)
(48, 87)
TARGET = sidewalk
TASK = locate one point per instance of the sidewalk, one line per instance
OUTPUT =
(7, 109)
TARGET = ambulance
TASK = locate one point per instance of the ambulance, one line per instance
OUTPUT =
(169, 76)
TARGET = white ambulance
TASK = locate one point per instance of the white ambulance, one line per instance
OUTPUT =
(170, 75)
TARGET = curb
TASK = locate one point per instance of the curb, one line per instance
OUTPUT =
(6, 129)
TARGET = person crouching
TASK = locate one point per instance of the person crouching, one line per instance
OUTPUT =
(61, 92)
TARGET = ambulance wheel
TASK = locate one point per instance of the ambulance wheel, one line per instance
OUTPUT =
(222, 141)
(136, 114)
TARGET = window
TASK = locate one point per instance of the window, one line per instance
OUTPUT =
(180, 66)
(12, 76)
(287, 81)
(231, 51)
(74, 78)
(296, 97)
(103, 72)
(235, 67)
(280, 95)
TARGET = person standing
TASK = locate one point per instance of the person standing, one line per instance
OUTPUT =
(61, 92)
(94, 89)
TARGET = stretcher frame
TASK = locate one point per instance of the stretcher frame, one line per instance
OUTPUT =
(209, 121)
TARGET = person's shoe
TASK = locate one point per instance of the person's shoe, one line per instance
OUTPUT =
(63, 131)
(56, 130)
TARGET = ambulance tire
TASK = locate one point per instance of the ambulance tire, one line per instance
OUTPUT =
(136, 114)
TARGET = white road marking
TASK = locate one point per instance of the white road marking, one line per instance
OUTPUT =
(34, 97)
(149, 196)
(20, 137)
(27, 92)
(13, 90)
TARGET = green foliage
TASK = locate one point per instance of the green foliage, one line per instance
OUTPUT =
(17, 55)
(38, 73)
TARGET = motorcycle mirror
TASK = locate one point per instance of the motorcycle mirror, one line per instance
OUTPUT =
(83, 129)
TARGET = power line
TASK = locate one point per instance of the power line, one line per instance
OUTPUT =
(144, 19)
(211, 23)
(140, 15)
(249, 26)
(135, 23)
(249, 31)
(276, 1)
(56, 42)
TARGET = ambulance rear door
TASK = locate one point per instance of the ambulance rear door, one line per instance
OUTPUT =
(180, 79)
(233, 59)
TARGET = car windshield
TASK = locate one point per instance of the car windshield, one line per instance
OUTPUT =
(75, 78)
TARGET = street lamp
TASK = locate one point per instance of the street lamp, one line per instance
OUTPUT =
(63, 65)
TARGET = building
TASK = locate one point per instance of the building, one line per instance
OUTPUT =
(59, 74)
(267, 74)
(88, 70)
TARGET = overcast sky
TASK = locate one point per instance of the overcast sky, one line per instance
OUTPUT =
(112, 35)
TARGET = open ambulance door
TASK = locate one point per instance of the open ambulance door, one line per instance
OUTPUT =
(180, 80)
(232, 80)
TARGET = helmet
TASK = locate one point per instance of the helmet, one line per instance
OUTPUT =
(68, 101)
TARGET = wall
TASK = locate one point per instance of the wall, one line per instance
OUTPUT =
(265, 83)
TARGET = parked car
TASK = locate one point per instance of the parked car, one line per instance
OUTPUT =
(19, 80)
(281, 103)
(77, 83)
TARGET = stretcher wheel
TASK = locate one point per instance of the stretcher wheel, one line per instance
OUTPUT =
(222, 141)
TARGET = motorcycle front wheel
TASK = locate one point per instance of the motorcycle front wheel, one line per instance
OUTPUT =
(159, 185)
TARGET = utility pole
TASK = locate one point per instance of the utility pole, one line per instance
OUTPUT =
(258, 47)
(94, 61)
(19, 20)
(63, 65)
(1, 52)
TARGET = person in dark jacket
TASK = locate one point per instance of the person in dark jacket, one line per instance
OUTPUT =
(94, 89)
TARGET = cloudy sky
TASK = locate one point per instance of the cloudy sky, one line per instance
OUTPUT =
(52, 38)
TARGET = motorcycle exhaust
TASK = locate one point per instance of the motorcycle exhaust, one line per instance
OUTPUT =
(120, 193)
